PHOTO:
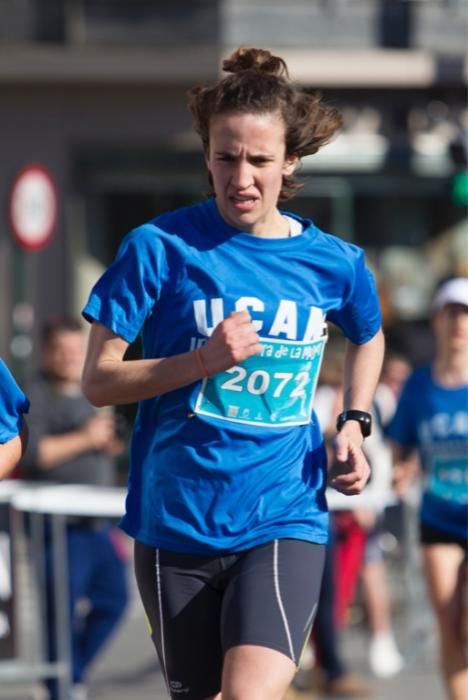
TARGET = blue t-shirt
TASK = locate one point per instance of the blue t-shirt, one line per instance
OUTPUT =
(212, 476)
(434, 420)
(13, 403)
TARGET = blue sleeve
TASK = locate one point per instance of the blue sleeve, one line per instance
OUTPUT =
(403, 426)
(13, 404)
(359, 316)
(124, 297)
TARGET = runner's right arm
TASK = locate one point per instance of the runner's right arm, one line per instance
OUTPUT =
(109, 380)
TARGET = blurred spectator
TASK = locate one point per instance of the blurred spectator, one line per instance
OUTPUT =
(70, 442)
(331, 675)
(395, 371)
(357, 551)
(384, 658)
(432, 420)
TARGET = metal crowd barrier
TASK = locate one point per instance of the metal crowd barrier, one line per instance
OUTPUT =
(24, 508)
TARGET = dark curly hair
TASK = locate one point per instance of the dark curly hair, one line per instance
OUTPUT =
(259, 83)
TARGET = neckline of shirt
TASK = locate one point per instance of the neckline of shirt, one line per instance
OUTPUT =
(301, 229)
(296, 227)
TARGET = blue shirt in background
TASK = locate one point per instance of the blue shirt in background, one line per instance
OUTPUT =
(434, 420)
(13, 404)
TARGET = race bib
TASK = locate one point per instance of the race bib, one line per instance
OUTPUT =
(275, 388)
(449, 479)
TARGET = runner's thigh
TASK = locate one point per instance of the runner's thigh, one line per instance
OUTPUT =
(272, 596)
(183, 611)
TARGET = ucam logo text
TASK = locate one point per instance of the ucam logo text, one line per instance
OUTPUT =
(444, 425)
(209, 313)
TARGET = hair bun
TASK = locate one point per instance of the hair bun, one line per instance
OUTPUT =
(255, 59)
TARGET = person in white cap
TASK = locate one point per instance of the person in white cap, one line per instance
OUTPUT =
(432, 418)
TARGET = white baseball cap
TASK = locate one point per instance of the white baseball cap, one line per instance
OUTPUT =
(454, 291)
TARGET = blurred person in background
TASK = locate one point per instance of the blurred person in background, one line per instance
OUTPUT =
(228, 472)
(72, 443)
(13, 427)
(356, 550)
(385, 659)
(323, 666)
(432, 419)
(395, 371)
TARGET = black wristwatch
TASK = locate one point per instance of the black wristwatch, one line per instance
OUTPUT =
(364, 419)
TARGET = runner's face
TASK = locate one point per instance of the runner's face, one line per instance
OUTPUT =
(247, 161)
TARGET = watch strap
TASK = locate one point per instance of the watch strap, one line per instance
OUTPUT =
(362, 417)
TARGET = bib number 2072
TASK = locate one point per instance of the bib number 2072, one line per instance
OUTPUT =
(260, 381)
(274, 389)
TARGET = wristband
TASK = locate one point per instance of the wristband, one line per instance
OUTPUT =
(201, 364)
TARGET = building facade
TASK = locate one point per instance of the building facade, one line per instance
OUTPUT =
(95, 92)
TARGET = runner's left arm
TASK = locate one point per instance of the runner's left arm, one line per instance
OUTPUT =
(362, 368)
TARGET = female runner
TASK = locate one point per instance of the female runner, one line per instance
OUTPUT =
(432, 420)
(226, 497)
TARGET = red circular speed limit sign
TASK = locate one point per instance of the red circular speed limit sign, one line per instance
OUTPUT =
(33, 207)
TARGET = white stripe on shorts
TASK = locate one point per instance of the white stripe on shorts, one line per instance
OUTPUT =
(161, 620)
(279, 600)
